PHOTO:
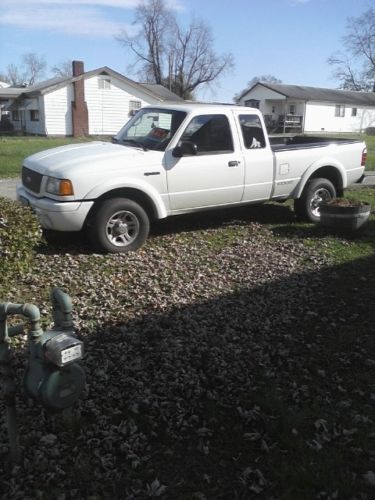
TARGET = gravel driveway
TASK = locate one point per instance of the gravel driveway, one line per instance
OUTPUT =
(8, 188)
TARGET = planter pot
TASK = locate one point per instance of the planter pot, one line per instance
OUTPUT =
(341, 216)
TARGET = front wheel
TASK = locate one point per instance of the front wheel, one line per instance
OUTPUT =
(120, 226)
(316, 191)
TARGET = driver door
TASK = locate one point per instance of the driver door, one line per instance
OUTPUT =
(214, 175)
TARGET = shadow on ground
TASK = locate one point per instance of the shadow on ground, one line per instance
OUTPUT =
(267, 392)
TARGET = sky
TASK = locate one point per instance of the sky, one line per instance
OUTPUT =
(289, 39)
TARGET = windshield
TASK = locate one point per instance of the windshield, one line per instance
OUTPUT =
(151, 128)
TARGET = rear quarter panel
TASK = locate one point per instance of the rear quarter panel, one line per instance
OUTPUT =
(295, 166)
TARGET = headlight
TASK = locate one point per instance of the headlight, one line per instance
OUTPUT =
(60, 187)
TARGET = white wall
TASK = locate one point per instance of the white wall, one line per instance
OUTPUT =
(58, 114)
(109, 107)
(321, 117)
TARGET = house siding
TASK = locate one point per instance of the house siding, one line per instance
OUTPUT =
(321, 117)
(318, 116)
(58, 111)
(109, 107)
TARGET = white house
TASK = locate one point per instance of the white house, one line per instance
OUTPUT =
(96, 102)
(309, 109)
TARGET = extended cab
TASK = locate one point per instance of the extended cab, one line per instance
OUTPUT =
(169, 160)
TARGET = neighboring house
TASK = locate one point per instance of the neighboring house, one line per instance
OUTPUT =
(97, 102)
(6, 96)
(309, 109)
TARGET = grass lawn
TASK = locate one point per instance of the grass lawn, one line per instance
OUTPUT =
(13, 150)
(370, 142)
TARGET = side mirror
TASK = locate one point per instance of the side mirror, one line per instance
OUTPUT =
(185, 148)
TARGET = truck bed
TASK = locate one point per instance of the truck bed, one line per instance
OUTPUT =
(287, 143)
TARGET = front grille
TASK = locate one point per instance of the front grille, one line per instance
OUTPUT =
(31, 180)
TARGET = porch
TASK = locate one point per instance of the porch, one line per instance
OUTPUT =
(284, 123)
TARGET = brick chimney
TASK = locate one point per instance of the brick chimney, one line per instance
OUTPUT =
(80, 115)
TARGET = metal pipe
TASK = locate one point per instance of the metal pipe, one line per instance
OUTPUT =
(62, 309)
(9, 387)
(29, 310)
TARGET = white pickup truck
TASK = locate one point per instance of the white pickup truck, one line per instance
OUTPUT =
(175, 159)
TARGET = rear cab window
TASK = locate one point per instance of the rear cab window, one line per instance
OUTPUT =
(252, 131)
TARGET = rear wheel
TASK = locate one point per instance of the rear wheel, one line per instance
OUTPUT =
(120, 226)
(316, 191)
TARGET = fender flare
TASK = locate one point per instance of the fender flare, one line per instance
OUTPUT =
(130, 183)
(328, 163)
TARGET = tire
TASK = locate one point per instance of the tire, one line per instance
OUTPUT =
(316, 191)
(120, 225)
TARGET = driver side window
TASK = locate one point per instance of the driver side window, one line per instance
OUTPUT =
(210, 133)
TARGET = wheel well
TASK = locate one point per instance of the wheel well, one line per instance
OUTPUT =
(129, 193)
(332, 174)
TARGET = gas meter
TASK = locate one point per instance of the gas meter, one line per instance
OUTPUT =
(53, 375)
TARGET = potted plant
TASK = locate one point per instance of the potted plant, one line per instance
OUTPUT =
(344, 214)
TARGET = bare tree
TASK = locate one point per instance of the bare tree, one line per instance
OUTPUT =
(193, 61)
(4, 78)
(31, 71)
(255, 80)
(14, 75)
(167, 54)
(63, 69)
(150, 45)
(354, 67)
(35, 67)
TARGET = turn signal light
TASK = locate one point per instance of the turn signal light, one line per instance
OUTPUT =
(66, 188)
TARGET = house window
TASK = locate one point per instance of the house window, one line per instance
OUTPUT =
(252, 103)
(16, 115)
(292, 109)
(354, 111)
(34, 115)
(339, 111)
(134, 106)
(104, 83)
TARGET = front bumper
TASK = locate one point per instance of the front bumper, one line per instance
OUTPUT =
(56, 215)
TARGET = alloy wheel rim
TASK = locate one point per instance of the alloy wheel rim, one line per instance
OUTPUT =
(122, 228)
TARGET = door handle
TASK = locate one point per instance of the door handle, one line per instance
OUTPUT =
(233, 163)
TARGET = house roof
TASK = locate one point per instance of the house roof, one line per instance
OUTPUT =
(304, 93)
(164, 93)
(156, 91)
(10, 92)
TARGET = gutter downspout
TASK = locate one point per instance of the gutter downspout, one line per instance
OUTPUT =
(285, 104)
(304, 117)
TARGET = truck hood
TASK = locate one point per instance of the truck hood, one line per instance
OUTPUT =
(66, 160)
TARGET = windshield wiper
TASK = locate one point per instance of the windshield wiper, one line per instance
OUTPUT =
(135, 143)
